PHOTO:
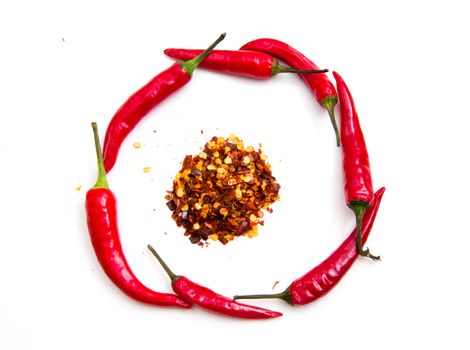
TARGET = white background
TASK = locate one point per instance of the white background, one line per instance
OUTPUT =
(65, 64)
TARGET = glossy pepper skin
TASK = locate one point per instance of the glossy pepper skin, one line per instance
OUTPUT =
(319, 84)
(358, 187)
(356, 166)
(145, 99)
(210, 300)
(101, 210)
(320, 280)
(137, 106)
(326, 275)
(251, 64)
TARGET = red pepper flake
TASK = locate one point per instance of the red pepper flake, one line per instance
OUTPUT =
(221, 192)
(275, 284)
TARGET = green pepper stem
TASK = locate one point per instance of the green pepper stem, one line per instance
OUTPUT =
(329, 102)
(171, 274)
(280, 68)
(359, 208)
(101, 182)
(285, 295)
(191, 65)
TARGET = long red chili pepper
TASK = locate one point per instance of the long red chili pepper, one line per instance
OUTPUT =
(208, 299)
(102, 226)
(252, 64)
(357, 176)
(321, 279)
(146, 98)
(319, 84)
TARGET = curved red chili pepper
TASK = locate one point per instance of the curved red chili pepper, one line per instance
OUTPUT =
(144, 99)
(357, 176)
(321, 279)
(252, 64)
(319, 84)
(102, 225)
(210, 300)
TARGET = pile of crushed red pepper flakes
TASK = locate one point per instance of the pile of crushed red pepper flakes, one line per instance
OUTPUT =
(222, 192)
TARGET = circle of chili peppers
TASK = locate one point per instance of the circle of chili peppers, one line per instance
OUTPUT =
(257, 59)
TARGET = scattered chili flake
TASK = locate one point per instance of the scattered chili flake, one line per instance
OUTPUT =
(275, 284)
(221, 192)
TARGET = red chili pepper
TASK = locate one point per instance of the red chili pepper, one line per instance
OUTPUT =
(102, 226)
(319, 84)
(358, 187)
(146, 98)
(252, 64)
(208, 299)
(321, 279)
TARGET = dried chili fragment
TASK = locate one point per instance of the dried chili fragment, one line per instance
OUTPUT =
(221, 192)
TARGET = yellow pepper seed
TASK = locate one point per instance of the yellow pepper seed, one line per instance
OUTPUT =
(253, 218)
(180, 192)
(252, 233)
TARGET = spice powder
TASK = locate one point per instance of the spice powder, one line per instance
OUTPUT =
(221, 192)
